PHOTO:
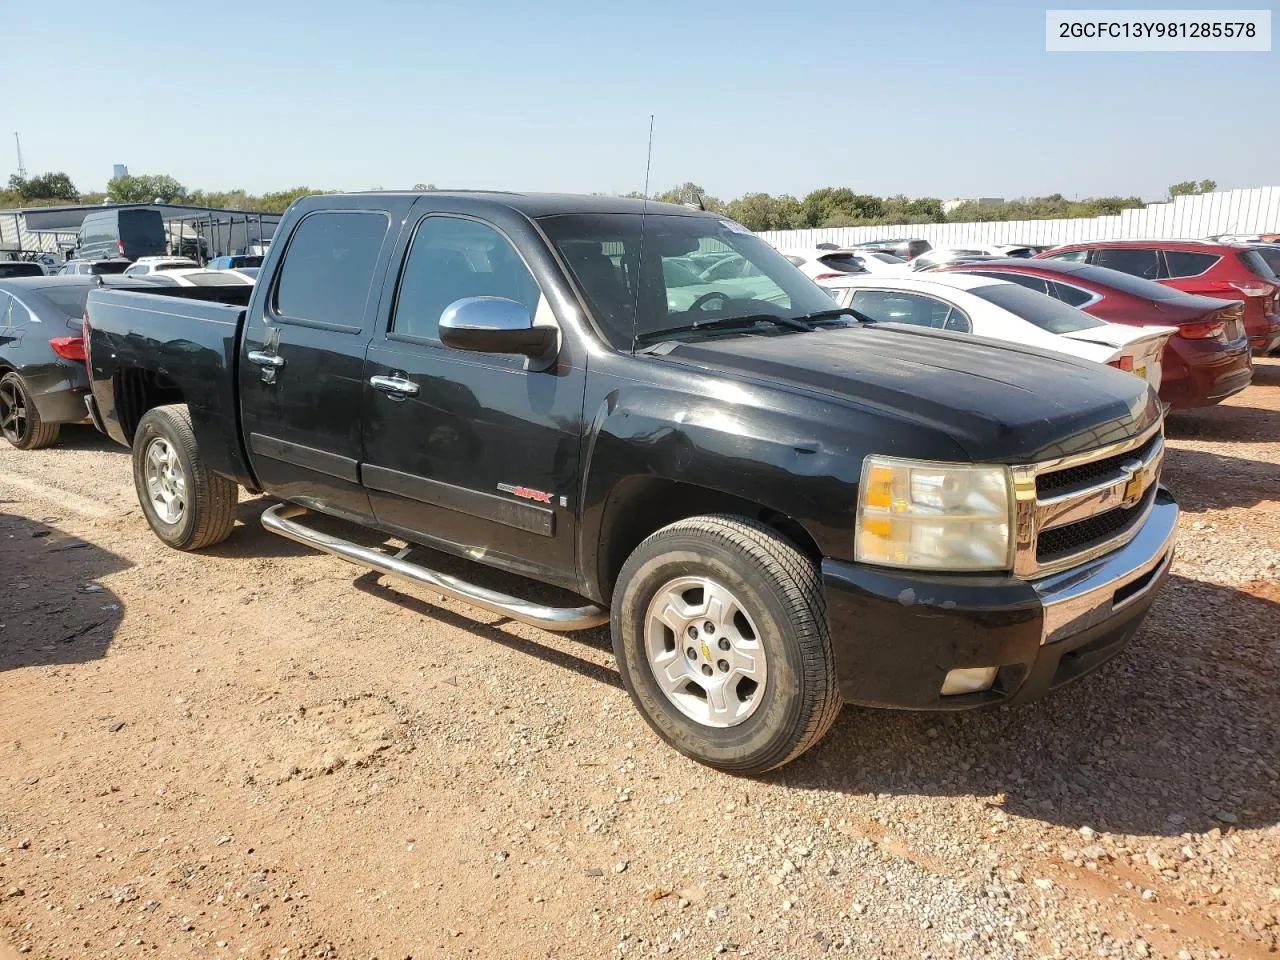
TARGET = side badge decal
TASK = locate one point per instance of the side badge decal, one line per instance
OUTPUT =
(526, 493)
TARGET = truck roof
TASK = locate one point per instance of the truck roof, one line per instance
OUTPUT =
(543, 204)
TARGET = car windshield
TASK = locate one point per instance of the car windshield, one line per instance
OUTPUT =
(646, 277)
(1045, 312)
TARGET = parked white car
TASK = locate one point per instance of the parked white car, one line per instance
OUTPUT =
(145, 266)
(941, 255)
(199, 277)
(1000, 310)
(822, 264)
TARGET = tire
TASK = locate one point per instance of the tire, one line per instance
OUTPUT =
(195, 513)
(19, 418)
(778, 592)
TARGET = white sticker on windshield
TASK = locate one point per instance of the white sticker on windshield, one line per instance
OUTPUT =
(734, 227)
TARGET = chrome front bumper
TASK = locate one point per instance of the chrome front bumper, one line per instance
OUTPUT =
(1094, 592)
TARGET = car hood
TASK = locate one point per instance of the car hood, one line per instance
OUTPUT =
(1001, 404)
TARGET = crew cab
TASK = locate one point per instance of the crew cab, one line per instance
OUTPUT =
(777, 505)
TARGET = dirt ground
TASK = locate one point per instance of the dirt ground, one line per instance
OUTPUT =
(260, 752)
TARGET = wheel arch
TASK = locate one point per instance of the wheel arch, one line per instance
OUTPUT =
(641, 505)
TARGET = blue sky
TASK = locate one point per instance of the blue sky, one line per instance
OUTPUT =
(923, 98)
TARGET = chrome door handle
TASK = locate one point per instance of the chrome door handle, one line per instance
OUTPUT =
(394, 386)
(263, 359)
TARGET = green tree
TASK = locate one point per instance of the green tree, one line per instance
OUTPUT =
(280, 201)
(46, 186)
(145, 188)
(760, 211)
(1190, 188)
(689, 192)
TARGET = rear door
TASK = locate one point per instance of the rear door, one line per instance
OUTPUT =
(476, 453)
(302, 360)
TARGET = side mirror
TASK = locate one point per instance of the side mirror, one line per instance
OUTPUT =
(494, 325)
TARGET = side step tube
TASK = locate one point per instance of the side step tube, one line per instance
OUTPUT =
(280, 519)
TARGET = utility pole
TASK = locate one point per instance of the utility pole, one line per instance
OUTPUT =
(22, 171)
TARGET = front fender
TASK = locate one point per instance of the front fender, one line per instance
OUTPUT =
(777, 461)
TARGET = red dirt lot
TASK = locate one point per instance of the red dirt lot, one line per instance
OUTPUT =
(258, 751)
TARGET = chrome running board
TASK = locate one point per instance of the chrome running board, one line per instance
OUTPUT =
(281, 519)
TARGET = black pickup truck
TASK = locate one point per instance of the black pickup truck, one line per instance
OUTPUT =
(778, 505)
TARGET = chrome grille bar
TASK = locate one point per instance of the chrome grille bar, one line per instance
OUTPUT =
(1125, 487)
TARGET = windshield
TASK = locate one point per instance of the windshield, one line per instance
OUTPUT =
(1045, 312)
(695, 272)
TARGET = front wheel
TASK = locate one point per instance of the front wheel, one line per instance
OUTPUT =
(187, 505)
(719, 630)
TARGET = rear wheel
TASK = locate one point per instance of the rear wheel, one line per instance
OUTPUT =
(20, 420)
(187, 505)
(719, 629)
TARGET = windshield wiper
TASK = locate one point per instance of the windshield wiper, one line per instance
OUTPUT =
(837, 312)
(729, 323)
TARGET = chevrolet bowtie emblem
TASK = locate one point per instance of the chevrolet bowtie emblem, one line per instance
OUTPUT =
(1137, 477)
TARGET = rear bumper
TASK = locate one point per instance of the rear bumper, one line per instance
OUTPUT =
(896, 636)
(1200, 373)
(58, 389)
(1267, 338)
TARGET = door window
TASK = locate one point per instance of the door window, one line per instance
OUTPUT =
(450, 259)
(328, 269)
(1137, 261)
(895, 306)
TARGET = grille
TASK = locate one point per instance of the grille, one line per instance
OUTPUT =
(1086, 474)
(1075, 537)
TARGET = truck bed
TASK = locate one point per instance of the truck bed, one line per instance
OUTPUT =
(182, 340)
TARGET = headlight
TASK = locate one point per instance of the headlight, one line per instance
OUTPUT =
(933, 516)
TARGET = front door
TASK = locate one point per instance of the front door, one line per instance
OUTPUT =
(475, 453)
(302, 362)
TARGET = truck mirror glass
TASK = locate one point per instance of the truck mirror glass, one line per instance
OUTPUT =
(494, 325)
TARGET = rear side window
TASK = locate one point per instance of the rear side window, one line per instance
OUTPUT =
(106, 267)
(328, 268)
(1184, 263)
(1044, 312)
(1138, 261)
(20, 270)
(1071, 296)
(452, 258)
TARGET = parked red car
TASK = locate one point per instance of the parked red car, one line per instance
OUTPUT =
(1206, 362)
(1227, 270)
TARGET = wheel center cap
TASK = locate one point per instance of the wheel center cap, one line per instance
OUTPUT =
(706, 651)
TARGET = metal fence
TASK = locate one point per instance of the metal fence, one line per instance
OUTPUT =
(1256, 210)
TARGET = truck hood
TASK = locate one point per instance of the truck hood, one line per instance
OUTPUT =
(1001, 404)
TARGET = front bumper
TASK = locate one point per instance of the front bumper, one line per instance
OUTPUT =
(897, 635)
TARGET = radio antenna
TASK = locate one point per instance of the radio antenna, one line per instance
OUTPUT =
(648, 159)
(644, 212)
